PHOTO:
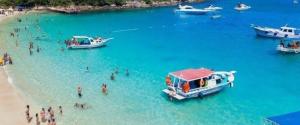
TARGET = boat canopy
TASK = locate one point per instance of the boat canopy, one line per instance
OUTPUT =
(192, 74)
(288, 28)
(81, 37)
(285, 119)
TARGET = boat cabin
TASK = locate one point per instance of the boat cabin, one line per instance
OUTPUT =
(82, 40)
(289, 30)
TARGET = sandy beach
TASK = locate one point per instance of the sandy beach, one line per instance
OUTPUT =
(12, 105)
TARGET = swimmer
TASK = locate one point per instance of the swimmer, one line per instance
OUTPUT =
(127, 73)
(38, 49)
(87, 69)
(117, 70)
(112, 77)
(79, 90)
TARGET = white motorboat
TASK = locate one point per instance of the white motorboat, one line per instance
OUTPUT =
(190, 83)
(213, 8)
(191, 10)
(282, 32)
(83, 42)
(241, 7)
(289, 46)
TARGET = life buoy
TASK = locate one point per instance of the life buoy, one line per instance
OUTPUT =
(168, 80)
(202, 84)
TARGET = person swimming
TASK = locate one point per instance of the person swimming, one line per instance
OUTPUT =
(81, 106)
(116, 70)
(127, 72)
(87, 69)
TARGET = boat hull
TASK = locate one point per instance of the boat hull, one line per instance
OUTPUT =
(273, 33)
(198, 93)
(287, 50)
(194, 12)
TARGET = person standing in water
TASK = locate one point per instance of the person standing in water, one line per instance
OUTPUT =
(104, 88)
(112, 77)
(127, 73)
(37, 119)
(60, 110)
(37, 49)
(79, 90)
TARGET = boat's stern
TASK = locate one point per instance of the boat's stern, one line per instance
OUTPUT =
(172, 93)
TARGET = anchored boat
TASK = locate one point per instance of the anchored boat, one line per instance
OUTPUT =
(289, 46)
(213, 8)
(191, 83)
(241, 7)
(83, 42)
(191, 10)
(283, 32)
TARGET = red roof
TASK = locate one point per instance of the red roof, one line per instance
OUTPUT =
(192, 74)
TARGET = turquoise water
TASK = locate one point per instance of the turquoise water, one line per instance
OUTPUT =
(151, 43)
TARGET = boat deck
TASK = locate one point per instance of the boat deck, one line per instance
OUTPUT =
(179, 97)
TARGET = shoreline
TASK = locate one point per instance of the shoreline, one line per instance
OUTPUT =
(13, 101)
(12, 108)
(128, 5)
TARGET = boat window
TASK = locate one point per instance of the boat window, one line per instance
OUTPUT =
(284, 30)
(290, 30)
(194, 84)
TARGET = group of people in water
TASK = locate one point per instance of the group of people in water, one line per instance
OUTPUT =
(6, 59)
(44, 116)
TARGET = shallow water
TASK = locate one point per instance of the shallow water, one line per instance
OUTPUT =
(151, 43)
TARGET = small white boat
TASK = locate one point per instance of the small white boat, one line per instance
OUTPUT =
(192, 83)
(213, 8)
(215, 16)
(289, 46)
(191, 10)
(283, 32)
(241, 7)
(83, 42)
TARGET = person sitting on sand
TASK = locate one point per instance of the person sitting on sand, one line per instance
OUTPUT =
(43, 115)
(112, 77)
(79, 90)
(27, 112)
